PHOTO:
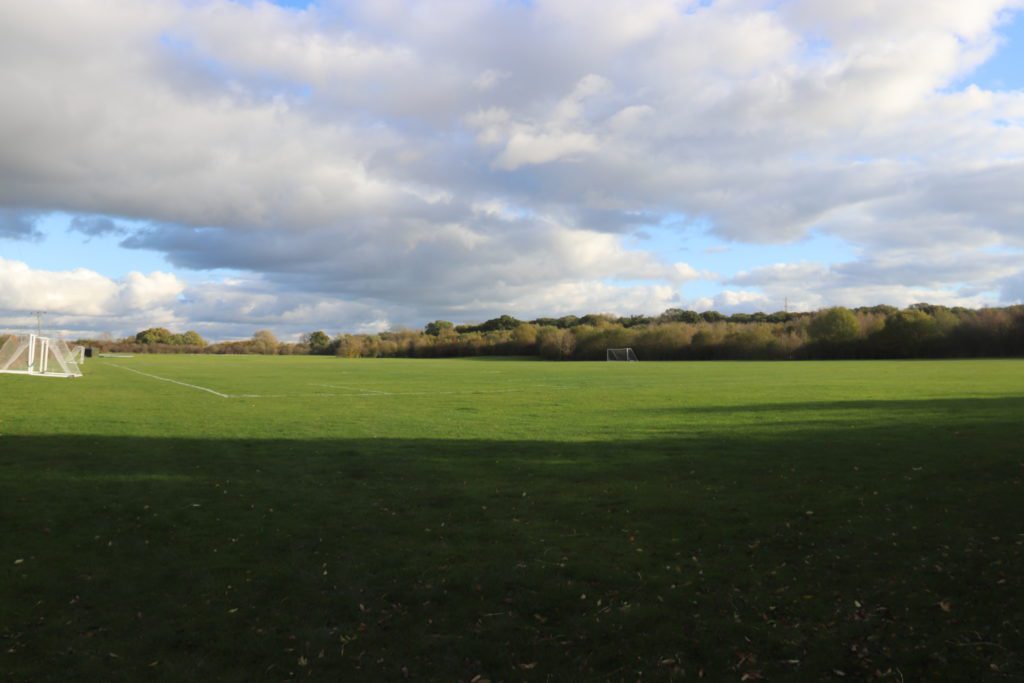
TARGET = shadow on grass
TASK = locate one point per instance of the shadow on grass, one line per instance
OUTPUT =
(889, 549)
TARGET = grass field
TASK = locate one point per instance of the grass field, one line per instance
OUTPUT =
(298, 517)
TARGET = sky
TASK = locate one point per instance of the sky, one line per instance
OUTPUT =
(357, 166)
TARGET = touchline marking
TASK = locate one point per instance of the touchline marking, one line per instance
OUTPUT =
(174, 381)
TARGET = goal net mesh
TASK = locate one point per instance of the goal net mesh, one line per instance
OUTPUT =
(63, 358)
(14, 354)
(621, 355)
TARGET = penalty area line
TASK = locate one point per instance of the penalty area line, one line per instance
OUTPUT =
(174, 381)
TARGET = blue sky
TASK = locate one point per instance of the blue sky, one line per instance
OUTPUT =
(411, 162)
(61, 249)
(1005, 70)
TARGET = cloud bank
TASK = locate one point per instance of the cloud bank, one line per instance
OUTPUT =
(377, 163)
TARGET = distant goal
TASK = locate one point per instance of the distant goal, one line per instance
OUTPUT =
(32, 354)
(625, 354)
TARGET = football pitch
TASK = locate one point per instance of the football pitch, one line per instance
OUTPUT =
(267, 518)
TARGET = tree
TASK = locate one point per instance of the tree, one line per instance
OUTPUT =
(264, 342)
(835, 326)
(318, 342)
(351, 346)
(192, 338)
(154, 335)
(504, 322)
(678, 315)
(880, 309)
(439, 328)
(597, 319)
(635, 321)
(555, 343)
(750, 341)
(525, 335)
(691, 317)
(907, 332)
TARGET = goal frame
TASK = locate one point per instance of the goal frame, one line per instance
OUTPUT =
(627, 353)
(43, 357)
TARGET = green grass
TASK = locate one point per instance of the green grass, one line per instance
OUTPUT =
(515, 520)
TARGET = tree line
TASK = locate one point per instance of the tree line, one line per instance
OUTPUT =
(919, 331)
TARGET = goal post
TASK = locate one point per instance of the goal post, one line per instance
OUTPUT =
(625, 354)
(33, 354)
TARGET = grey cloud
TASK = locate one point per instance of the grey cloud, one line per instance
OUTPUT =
(423, 264)
(95, 226)
(18, 225)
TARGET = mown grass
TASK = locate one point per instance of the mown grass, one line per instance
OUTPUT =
(514, 520)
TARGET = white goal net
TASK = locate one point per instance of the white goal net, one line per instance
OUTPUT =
(621, 354)
(32, 354)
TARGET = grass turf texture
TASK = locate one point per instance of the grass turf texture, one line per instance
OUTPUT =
(515, 520)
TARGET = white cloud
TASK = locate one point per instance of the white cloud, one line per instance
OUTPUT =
(899, 278)
(83, 292)
(557, 137)
(527, 147)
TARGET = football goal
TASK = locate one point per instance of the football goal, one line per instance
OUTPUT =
(625, 354)
(32, 354)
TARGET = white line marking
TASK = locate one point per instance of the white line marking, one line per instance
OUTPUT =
(363, 393)
(174, 381)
